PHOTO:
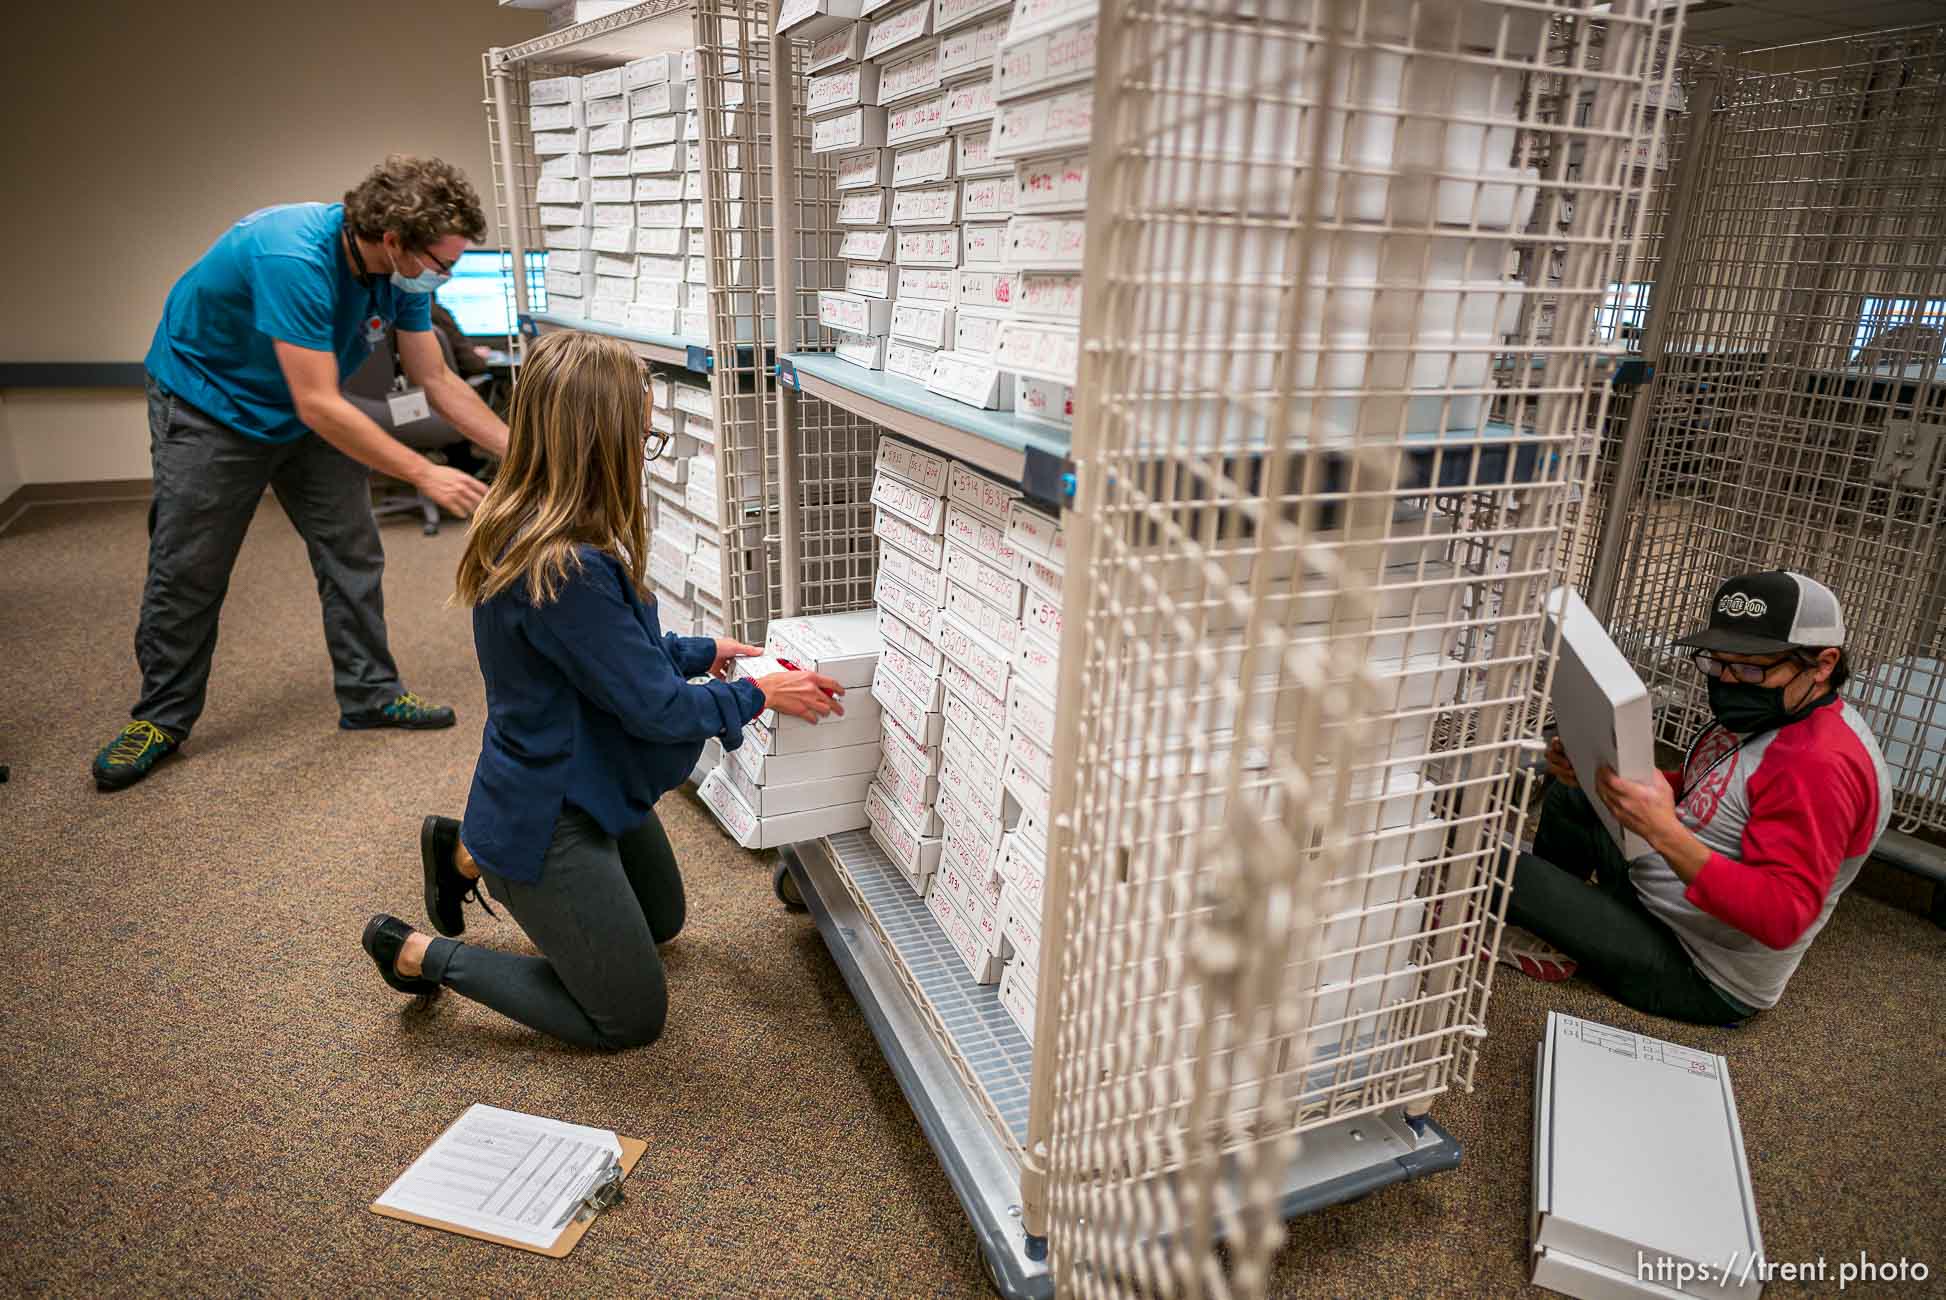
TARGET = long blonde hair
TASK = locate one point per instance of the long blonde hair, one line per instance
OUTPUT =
(573, 473)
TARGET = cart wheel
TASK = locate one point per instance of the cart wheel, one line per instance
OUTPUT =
(986, 1271)
(785, 885)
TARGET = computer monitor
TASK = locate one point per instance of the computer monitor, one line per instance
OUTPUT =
(479, 296)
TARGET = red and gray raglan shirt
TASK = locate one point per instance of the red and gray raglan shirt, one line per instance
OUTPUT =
(1789, 819)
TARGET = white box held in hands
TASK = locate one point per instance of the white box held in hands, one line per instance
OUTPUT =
(1601, 707)
(844, 647)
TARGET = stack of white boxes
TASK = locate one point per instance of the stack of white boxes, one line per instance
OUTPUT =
(904, 100)
(950, 608)
(791, 779)
(620, 196)
(1040, 544)
(1044, 94)
(908, 496)
(684, 492)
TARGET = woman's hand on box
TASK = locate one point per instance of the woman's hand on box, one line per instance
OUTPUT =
(726, 650)
(801, 694)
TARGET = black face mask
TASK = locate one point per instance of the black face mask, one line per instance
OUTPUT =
(1749, 709)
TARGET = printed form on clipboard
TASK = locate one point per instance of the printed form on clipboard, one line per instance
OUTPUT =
(1601, 708)
(520, 1180)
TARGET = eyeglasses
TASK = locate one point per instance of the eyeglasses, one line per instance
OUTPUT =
(426, 254)
(1712, 667)
(654, 441)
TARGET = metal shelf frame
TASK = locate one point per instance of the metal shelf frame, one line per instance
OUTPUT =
(731, 41)
(997, 442)
(1341, 1162)
(1165, 503)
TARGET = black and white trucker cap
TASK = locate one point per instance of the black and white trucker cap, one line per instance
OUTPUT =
(1768, 613)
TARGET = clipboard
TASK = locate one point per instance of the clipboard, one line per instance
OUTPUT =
(598, 1199)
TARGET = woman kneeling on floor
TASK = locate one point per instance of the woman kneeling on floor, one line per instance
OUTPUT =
(590, 719)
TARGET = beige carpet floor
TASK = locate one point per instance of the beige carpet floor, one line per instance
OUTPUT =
(203, 1083)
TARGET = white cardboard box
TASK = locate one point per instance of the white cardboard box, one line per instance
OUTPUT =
(982, 963)
(978, 534)
(771, 799)
(983, 704)
(844, 647)
(990, 583)
(908, 710)
(914, 854)
(928, 549)
(921, 579)
(910, 791)
(811, 765)
(923, 509)
(1639, 1159)
(910, 607)
(922, 469)
(1017, 987)
(918, 674)
(910, 641)
(754, 832)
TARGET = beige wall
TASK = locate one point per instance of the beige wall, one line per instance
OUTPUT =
(10, 479)
(138, 131)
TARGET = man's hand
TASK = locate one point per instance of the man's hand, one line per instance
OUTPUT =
(1649, 809)
(1646, 807)
(726, 650)
(1558, 765)
(451, 490)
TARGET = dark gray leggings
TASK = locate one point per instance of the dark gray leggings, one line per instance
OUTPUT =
(601, 906)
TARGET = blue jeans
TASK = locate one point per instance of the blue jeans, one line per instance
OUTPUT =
(1623, 948)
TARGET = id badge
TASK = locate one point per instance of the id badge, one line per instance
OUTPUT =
(374, 329)
(408, 406)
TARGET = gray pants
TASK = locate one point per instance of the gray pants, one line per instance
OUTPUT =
(599, 909)
(209, 480)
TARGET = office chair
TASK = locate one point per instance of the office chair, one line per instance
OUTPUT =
(368, 388)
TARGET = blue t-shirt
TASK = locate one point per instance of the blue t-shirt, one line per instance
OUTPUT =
(280, 273)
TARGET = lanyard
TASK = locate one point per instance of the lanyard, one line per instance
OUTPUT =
(1731, 752)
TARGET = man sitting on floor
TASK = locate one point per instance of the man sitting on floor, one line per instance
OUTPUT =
(1776, 808)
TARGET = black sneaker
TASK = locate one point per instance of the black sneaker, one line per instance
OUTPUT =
(384, 936)
(408, 711)
(446, 888)
(132, 754)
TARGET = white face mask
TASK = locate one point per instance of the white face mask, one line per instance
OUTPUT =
(426, 281)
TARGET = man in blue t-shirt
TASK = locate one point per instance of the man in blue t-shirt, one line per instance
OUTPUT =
(244, 394)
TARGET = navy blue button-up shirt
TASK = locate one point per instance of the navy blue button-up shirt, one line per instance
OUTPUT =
(587, 704)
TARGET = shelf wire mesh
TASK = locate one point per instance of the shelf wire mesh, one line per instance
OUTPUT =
(1303, 646)
(1798, 417)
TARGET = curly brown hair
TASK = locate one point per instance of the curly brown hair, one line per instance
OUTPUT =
(421, 200)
